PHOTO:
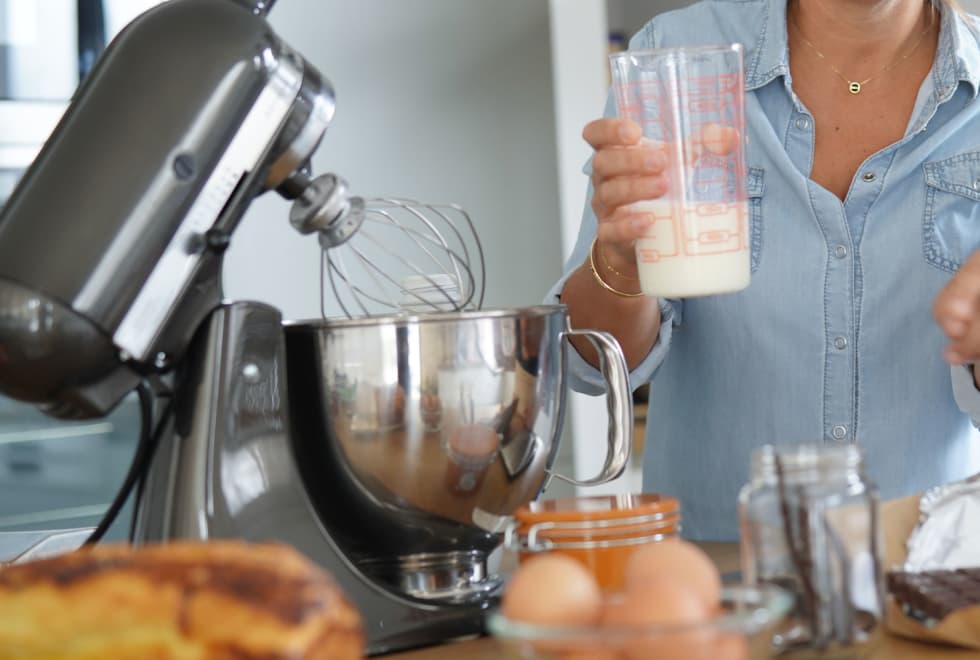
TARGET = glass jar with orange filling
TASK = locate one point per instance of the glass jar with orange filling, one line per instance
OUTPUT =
(600, 531)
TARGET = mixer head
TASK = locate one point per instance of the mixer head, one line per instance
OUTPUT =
(111, 244)
(388, 255)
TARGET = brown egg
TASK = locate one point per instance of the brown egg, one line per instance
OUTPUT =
(554, 590)
(669, 609)
(679, 560)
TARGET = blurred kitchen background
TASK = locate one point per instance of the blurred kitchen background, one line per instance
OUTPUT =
(477, 102)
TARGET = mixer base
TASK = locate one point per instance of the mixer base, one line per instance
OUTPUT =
(225, 470)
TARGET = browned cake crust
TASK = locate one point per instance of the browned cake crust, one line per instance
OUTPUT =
(181, 601)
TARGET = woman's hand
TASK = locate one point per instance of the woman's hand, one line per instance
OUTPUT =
(629, 168)
(957, 311)
(626, 169)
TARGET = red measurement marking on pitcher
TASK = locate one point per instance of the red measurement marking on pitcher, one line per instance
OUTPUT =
(714, 228)
(692, 230)
(663, 232)
(711, 98)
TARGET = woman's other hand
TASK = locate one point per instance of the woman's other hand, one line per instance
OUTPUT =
(957, 311)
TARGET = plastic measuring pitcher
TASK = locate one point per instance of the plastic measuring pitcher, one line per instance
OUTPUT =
(691, 101)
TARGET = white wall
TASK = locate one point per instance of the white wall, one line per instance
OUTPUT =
(579, 47)
(628, 16)
(439, 100)
(118, 13)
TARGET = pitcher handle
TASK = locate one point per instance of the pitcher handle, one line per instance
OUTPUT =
(619, 404)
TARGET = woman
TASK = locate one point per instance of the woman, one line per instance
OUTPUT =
(864, 156)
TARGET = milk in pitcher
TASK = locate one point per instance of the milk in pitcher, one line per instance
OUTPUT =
(693, 248)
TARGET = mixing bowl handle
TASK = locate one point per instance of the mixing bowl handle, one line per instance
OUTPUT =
(619, 404)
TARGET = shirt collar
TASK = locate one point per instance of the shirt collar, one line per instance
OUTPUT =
(958, 53)
(768, 57)
(957, 56)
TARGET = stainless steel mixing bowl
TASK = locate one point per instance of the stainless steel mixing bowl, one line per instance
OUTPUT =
(421, 434)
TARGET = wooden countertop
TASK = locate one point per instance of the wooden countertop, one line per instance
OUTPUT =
(726, 557)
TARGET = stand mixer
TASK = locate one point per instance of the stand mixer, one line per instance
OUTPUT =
(389, 448)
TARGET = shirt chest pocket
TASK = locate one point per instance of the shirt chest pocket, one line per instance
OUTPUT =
(951, 221)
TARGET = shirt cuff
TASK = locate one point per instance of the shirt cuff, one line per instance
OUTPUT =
(585, 378)
(965, 392)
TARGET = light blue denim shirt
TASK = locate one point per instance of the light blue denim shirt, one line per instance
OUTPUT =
(834, 339)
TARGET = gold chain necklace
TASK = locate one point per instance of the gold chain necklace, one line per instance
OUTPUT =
(853, 86)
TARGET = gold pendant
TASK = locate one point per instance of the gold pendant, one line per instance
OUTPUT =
(854, 88)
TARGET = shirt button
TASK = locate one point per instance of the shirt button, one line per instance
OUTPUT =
(840, 343)
(840, 251)
(803, 123)
(839, 432)
(869, 177)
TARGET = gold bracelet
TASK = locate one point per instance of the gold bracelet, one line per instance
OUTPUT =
(605, 262)
(598, 278)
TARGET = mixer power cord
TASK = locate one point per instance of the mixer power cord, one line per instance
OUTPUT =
(149, 438)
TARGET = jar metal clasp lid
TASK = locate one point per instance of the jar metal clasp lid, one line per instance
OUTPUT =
(592, 534)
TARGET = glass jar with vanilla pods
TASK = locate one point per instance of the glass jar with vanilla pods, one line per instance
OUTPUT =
(810, 524)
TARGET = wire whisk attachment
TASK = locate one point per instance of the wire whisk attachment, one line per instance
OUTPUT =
(388, 255)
